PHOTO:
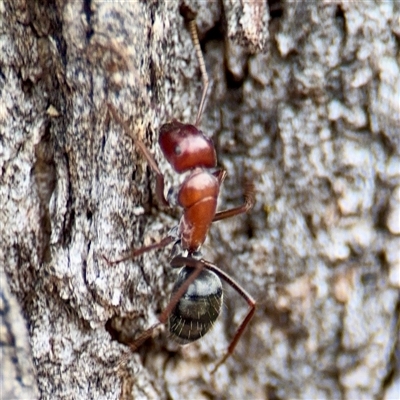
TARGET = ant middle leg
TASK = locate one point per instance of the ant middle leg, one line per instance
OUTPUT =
(141, 250)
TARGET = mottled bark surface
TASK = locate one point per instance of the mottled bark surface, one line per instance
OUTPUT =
(304, 99)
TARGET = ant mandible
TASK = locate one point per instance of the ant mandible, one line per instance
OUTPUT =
(196, 298)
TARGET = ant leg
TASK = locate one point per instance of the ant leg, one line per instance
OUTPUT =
(176, 262)
(220, 174)
(147, 155)
(249, 200)
(135, 253)
(191, 262)
(250, 301)
(204, 75)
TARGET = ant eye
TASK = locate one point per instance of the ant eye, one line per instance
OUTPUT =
(178, 150)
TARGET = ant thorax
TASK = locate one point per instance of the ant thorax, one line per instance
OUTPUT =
(198, 197)
(173, 192)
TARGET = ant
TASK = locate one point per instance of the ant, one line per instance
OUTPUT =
(196, 298)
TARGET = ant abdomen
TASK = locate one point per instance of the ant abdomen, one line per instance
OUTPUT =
(198, 308)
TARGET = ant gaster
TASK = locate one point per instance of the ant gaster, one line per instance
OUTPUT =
(196, 298)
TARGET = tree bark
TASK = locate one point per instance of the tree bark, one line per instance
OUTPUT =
(304, 100)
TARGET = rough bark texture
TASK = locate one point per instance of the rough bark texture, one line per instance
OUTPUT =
(304, 99)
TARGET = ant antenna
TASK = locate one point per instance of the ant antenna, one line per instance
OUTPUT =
(204, 75)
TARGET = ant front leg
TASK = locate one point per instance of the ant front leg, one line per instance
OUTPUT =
(249, 200)
(147, 155)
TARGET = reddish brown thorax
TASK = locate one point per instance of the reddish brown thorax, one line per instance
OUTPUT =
(186, 148)
(198, 196)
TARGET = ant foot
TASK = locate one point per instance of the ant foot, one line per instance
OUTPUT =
(219, 363)
(109, 262)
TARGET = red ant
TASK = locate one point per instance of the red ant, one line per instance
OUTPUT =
(196, 298)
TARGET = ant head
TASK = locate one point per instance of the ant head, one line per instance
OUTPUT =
(186, 147)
